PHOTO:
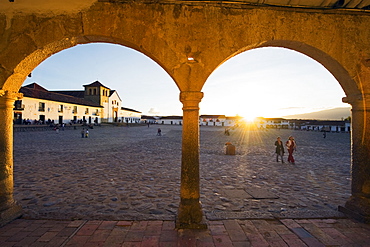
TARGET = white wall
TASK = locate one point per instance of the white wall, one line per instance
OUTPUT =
(31, 110)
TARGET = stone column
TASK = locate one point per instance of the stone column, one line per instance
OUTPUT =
(190, 213)
(358, 205)
(9, 209)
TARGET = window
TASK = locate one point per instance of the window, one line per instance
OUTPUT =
(94, 91)
(60, 108)
(41, 106)
(74, 109)
(87, 111)
(18, 105)
(90, 91)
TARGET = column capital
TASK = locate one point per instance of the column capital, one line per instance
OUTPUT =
(4, 94)
(191, 99)
(359, 102)
(7, 98)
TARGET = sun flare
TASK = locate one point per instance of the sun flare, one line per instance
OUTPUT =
(249, 118)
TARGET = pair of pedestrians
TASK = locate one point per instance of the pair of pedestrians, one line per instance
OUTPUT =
(84, 133)
(291, 147)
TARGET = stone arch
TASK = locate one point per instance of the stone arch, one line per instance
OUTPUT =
(354, 82)
(333, 66)
(26, 66)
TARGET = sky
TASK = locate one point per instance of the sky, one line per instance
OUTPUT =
(263, 82)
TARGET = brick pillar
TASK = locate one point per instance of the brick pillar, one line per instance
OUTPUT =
(9, 209)
(358, 205)
(190, 213)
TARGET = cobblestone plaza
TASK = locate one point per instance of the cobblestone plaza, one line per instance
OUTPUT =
(121, 173)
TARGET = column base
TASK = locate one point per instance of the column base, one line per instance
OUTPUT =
(10, 214)
(357, 208)
(190, 215)
(198, 225)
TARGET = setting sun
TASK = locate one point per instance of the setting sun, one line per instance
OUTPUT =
(248, 118)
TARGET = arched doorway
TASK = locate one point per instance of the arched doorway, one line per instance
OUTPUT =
(268, 82)
(134, 181)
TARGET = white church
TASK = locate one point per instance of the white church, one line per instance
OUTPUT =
(94, 105)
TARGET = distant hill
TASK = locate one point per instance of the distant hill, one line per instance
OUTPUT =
(332, 114)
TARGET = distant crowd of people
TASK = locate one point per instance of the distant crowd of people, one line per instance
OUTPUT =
(52, 123)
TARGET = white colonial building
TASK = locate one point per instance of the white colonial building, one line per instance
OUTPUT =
(219, 120)
(96, 104)
(304, 124)
(172, 120)
(275, 123)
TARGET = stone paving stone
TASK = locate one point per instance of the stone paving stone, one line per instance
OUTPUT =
(254, 236)
(8, 244)
(206, 244)
(169, 236)
(124, 223)
(77, 241)
(15, 235)
(58, 226)
(37, 226)
(292, 240)
(154, 228)
(106, 225)
(38, 232)
(99, 235)
(304, 235)
(118, 231)
(26, 241)
(150, 241)
(134, 236)
(222, 240)
(235, 231)
(47, 236)
(57, 241)
(268, 232)
(115, 239)
(76, 223)
(217, 229)
(338, 236)
(185, 240)
(139, 225)
(204, 238)
(67, 231)
(319, 234)
(131, 244)
(168, 225)
(88, 229)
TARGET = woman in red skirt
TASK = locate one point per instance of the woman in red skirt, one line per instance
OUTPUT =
(291, 146)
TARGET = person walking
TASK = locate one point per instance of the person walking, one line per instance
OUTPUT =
(279, 149)
(83, 133)
(291, 146)
(159, 132)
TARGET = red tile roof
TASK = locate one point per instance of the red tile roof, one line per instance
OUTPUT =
(36, 91)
